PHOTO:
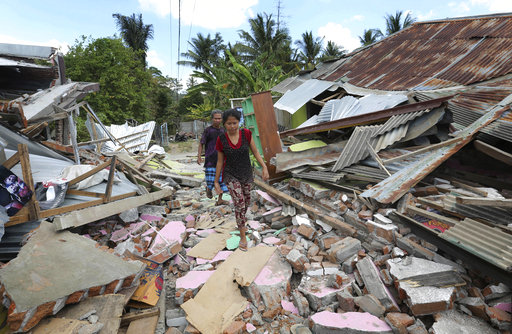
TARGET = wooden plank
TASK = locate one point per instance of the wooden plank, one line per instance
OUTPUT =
(110, 182)
(267, 128)
(132, 316)
(423, 150)
(33, 204)
(287, 199)
(481, 201)
(431, 215)
(145, 161)
(79, 206)
(377, 158)
(85, 216)
(12, 161)
(89, 173)
(136, 171)
(85, 193)
(143, 326)
(493, 152)
(58, 147)
(462, 185)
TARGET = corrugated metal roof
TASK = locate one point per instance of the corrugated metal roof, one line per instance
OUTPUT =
(316, 156)
(432, 55)
(288, 84)
(491, 244)
(395, 186)
(349, 106)
(293, 100)
(406, 126)
(397, 120)
(492, 214)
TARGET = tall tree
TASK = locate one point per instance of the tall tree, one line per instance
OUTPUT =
(309, 48)
(370, 36)
(394, 23)
(205, 52)
(264, 41)
(332, 51)
(125, 85)
(135, 33)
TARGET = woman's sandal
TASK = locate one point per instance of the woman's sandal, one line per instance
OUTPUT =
(242, 246)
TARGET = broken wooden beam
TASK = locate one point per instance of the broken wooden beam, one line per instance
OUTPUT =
(423, 150)
(432, 215)
(132, 316)
(287, 199)
(493, 152)
(85, 216)
(484, 201)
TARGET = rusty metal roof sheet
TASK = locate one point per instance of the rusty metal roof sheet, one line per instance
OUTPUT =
(395, 186)
(433, 55)
(489, 243)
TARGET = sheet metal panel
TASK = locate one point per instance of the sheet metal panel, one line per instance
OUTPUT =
(492, 214)
(395, 186)
(293, 100)
(488, 243)
(433, 55)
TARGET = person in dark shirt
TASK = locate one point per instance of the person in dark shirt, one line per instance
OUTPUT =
(209, 139)
(235, 164)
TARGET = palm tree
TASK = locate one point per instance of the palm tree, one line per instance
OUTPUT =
(264, 39)
(394, 22)
(370, 36)
(135, 33)
(332, 51)
(205, 52)
(309, 49)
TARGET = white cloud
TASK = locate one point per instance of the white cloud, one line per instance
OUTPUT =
(204, 13)
(426, 17)
(154, 59)
(460, 8)
(340, 35)
(494, 5)
(357, 18)
(61, 46)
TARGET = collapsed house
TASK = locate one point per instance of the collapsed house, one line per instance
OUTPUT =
(380, 218)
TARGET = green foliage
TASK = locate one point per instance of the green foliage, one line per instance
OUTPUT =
(124, 84)
(205, 52)
(309, 49)
(394, 23)
(332, 51)
(135, 33)
(370, 36)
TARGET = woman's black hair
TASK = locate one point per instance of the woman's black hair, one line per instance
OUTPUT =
(230, 112)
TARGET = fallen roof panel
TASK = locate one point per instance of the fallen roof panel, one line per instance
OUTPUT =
(488, 243)
(293, 100)
(369, 118)
(394, 187)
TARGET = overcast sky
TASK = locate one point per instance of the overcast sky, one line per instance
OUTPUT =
(59, 23)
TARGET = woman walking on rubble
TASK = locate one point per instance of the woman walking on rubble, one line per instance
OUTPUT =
(234, 162)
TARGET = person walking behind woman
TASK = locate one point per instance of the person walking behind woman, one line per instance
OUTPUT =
(209, 140)
(234, 163)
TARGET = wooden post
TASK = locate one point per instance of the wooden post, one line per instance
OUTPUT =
(267, 128)
(108, 190)
(33, 204)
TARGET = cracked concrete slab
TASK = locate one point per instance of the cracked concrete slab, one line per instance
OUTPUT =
(59, 268)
